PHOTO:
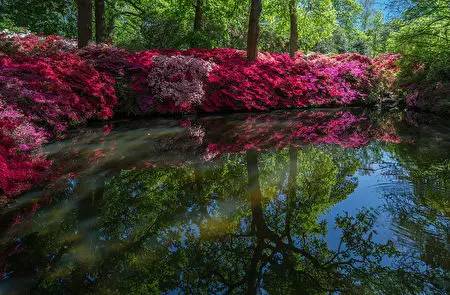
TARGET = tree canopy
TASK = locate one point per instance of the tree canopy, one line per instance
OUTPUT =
(417, 29)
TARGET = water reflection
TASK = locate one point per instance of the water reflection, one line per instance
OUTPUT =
(236, 205)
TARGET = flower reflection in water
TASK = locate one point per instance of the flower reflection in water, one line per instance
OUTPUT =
(151, 208)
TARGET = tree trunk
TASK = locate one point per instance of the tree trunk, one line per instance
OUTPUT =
(84, 22)
(198, 23)
(293, 40)
(110, 19)
(198, 19)
(253, 29)
(258, 223)
(291, 191)
(100, 21)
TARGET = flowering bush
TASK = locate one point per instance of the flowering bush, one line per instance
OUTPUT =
(200, 80)
(27, 43)
(41, 95)
(386, 69)
(276, 81)
(19, 168)
(179, 80)
(56, 91)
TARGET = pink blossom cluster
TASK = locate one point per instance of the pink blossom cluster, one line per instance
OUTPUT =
(20, 169)
(179, 80)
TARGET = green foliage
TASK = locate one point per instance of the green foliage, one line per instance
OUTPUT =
(423, 41)
(7, 24)
(169, 24)
(378, 34)
(313, 15)
(323, 25)
(47, 17)
(322, 182)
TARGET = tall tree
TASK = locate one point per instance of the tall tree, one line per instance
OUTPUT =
(100, 21)
(253, 29)
(198, 18)
(293, 40)
(198, 24)
(84, 22)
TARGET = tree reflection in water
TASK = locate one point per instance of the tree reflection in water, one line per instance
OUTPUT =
(247, 222)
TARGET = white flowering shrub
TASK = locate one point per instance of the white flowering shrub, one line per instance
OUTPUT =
(180, 79)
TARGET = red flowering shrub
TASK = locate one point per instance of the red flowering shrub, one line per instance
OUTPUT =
(386, 69)
(56, 91)
(107, 59)
(19, 168)
(41, 95)
(130, 71)
(30, 44)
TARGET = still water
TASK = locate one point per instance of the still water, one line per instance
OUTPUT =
(316, 202)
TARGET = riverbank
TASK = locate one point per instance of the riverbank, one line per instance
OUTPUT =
(47, 86)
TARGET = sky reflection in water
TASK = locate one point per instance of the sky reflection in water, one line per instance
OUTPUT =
(281, 203)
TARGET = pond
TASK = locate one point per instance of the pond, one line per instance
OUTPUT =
(312, 202)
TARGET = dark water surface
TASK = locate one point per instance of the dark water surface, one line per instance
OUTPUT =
(317, 202)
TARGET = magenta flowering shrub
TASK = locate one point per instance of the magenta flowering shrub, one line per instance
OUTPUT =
(56, 91)
(42, 93)
(345, 78)
(25, 135)
(19, 168)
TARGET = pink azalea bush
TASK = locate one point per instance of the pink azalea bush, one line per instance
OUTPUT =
(47, 86)
(41, 96)
(179, 80)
